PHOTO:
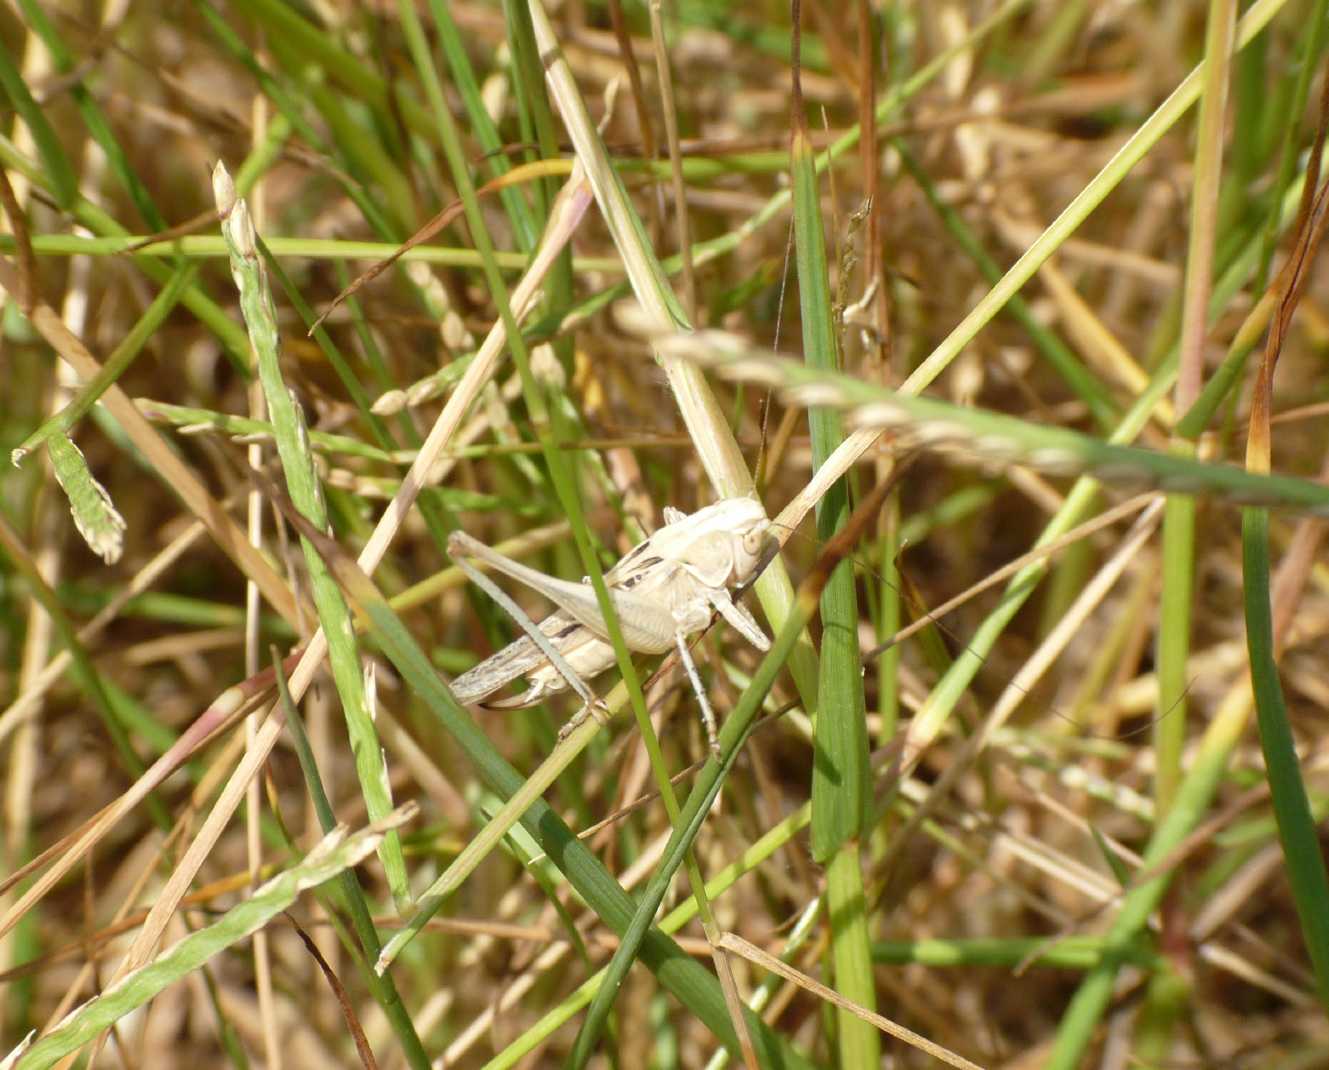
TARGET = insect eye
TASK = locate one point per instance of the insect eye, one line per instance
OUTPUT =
(753, 540)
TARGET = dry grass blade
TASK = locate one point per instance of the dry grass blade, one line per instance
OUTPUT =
(226, 709)
(935, 613)
(754, 954)
(357, 1032)
(335, 853)
(1024, 228)
(562, 224)
(717, 449)
(171, 470)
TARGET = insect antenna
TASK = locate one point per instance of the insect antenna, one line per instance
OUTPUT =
(925, 616)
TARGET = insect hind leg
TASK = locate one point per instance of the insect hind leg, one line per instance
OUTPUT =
(595, 708)
(531, 629)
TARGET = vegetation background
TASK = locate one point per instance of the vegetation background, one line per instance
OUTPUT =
(1056, 251)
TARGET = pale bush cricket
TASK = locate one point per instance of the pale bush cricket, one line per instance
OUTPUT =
(664, 590)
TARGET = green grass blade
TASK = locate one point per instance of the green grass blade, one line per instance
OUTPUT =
(95, 515)
(307, 494)
(688, 980)
(334, 854)
(1297, 829)
(841, 782)
(119, 362)
(58, 173)
(987, 438)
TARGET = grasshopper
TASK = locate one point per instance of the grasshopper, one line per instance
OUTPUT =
(664, 590)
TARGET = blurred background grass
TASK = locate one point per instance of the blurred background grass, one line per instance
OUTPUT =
(976, 919)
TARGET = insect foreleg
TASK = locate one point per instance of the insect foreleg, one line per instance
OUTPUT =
(739, 619)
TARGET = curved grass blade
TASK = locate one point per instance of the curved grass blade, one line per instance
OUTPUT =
(334, 854)
(993, 439)
(95, 515)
